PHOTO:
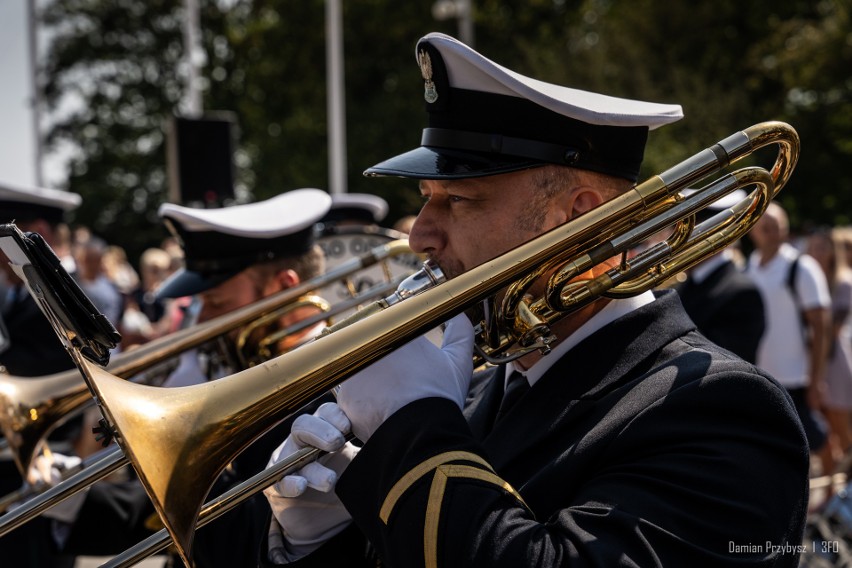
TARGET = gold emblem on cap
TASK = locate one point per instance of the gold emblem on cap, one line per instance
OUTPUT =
(425, 62)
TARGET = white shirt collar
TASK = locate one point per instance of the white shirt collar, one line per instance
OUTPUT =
(611, 312)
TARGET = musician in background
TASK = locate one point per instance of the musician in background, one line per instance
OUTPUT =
(234, 257)
(636, 442)
(794, 348)
(720, 298)
(352, 228)
(33, 350)
(355, 210)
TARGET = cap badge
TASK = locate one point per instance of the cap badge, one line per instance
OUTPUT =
(425, 62)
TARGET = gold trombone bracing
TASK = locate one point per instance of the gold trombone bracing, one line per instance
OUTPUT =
(180, 439)
(32, 407)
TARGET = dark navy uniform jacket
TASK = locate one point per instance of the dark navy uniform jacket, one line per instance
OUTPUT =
(645, 445)
(727, 308)
(34, 351)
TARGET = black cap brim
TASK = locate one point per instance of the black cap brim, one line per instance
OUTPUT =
(444, 163)
(189, 283)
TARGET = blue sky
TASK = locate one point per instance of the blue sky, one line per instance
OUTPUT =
(16, 141)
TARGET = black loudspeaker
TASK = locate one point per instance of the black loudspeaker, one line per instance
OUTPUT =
(201, 160)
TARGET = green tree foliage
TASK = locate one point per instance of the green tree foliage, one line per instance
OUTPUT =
(729, 63)
(115, 65)
(812, 59)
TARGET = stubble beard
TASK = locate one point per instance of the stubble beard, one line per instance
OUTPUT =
(450, 267)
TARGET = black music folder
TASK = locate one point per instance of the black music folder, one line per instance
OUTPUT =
(77, 322)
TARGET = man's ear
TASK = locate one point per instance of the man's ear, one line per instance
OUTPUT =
(285, 279)
(572, 203)
(583, 199)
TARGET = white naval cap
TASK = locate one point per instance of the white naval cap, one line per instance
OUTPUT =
(364, 207)
(27, 203)
(485, 119)
(219, 243)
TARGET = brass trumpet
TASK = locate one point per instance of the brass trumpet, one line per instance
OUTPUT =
(179, 440)
(32, 407)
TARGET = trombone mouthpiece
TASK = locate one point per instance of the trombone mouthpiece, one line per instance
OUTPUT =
(428, 276)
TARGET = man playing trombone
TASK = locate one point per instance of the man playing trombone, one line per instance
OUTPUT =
(634, 442)
(234, 257)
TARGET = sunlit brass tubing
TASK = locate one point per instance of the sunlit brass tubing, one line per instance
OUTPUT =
(661, 261)
(646, 198)
(263, 346)
(377, 290)
(265, 349)
(32, 407)
(687, 246)
(424, 279)
(220, 505)
(58, 493)
(179, 439)
(708, 238)
(655, 261)
(350, 286)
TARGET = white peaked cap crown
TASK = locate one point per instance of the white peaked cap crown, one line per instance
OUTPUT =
(283, 214)
(17, 202)
(219, 243)
(485, 119)
(467, 69)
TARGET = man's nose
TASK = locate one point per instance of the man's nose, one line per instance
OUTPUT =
(425, 236)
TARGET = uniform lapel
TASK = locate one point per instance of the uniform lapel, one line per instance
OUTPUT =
(572, 387)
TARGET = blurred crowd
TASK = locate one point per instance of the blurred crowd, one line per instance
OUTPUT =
(831, 248)
(123, 289)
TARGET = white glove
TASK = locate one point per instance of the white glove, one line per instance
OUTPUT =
(304, 504)
(415, 371)
(47, 471)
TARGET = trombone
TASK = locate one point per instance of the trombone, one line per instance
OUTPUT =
(31, 408)
(179, 440)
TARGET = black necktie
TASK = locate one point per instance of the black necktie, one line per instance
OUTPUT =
(516, 386)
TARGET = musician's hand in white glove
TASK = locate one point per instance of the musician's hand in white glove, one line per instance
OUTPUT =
(49, 469)
(415, 371)
(304, 504)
